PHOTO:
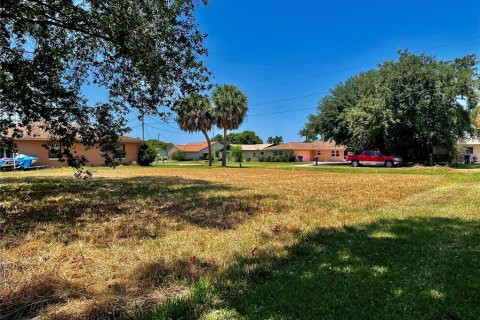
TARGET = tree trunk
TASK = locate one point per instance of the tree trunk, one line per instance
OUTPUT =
(224, 152)
(209, 148)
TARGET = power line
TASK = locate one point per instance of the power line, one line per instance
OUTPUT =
(277, 112)
(290, 99)
(163, 123)
(343, 101)
(179, 132)
(359, 66)
(314, 76)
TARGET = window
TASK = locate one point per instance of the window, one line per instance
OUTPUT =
(319, 153)
(280, 153)
(54, 151)
(469, 150)
(275, 153)
(121, 150)
(254, 155)
(261, 152)
(335, 153)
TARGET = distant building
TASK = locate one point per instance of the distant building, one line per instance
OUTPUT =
(33, 144)
(251, 152)
(324, 151)
(473, 149)
(195, 150)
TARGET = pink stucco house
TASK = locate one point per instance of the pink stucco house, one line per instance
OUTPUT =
(325, 151)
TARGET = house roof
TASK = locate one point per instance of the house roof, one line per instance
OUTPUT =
(472, 142)
(253, 147)
(306, 146)
(39, 134)
(193, 146)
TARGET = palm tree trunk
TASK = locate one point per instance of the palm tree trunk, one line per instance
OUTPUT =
(209, 148)
(224, 151)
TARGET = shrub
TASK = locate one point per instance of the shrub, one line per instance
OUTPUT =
(458, 153)
(178, 155)
(218, 153)
(236, 153)
(146, 154)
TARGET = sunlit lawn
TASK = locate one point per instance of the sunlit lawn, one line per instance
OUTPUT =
(270, 241)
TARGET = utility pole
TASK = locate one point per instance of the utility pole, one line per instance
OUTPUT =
(143, 127)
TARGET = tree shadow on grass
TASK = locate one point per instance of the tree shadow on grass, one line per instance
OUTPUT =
(391, 269)
(67, 202)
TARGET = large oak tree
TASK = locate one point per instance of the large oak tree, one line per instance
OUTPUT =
(146, 55)
(405, 107)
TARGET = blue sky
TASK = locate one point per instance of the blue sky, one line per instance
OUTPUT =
(276, 50)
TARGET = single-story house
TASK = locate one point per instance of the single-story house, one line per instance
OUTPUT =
(251, 152)
(473, 149)
(195, 150)
(33, 144)
(324, 151)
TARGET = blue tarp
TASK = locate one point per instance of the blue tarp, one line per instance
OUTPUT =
(23, 160)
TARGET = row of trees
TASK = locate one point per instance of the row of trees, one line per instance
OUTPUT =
(247, 137)
(405, 107)
(196, 114)
(244, 137)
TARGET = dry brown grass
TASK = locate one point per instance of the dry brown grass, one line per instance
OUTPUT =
(132, 237)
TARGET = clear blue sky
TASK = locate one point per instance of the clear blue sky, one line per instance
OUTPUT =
(275, 50)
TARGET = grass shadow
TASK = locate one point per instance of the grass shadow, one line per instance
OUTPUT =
(391, 269)
(31, 202)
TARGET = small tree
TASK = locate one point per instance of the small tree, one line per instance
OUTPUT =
(236, 154)
(458, 153)
(217, 153)
(178, 155)
(146, 154)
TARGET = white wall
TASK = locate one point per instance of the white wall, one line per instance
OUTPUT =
(476, 151)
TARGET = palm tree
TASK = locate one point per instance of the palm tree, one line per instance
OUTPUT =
(195, 114)
(230, 110)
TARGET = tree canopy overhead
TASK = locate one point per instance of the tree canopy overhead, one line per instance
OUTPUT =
(405, 107)
(146, 54)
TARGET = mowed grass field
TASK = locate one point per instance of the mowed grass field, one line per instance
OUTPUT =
(271, 242)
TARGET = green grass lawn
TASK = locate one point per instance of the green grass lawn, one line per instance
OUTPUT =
(269, 241)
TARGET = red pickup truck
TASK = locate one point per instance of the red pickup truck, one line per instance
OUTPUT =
(373, 158)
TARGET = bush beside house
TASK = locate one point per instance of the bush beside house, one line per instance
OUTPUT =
(146, 154)
(178, 155)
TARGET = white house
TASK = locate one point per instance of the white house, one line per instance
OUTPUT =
(473, 149)
(195, 150)
(251, 152)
